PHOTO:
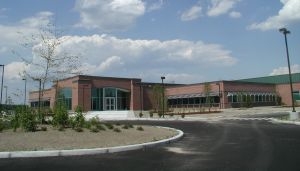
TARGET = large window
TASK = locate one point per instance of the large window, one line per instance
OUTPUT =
(110, 98)
(65, 96)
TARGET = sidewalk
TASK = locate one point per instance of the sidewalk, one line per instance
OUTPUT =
(237, 112)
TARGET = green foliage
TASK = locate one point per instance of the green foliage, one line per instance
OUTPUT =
(94, 129)
(139, 128)
(27, 119)
(140, 114)
(61, 116)
(109, 125)
(1, 125)
(43, 128)
(117, 130)
(151, 113)
(125, 127)
(79, 118)
(182, 115)
(159, 98)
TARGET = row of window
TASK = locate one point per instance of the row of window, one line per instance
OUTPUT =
(194, 100)
(251, 98)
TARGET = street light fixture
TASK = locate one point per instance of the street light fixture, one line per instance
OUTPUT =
(5, 94)
(218, 84)
(285, 32)
(163, 95)
(25, 91)
(2, 83)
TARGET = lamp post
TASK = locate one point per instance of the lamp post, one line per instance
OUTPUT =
(2, 83)
(163, 95)
(25, 91)
(218, 84)
(285, 32)
(5, 94)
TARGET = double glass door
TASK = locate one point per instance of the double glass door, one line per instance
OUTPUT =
(110, 103)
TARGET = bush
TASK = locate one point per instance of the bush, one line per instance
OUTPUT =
(101, 127)
(78, 129)
(28, 120)
(182, 115)
(140, 114)
(139, 128)
(78, 121)
(1, 125)
(43, 128)
(61, 116)
(125, 127)
(151, 113)
(94, 129)
(117, 130)
(109, 125)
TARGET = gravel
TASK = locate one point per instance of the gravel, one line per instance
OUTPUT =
(52, 139)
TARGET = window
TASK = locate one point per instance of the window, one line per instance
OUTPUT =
(65, 96)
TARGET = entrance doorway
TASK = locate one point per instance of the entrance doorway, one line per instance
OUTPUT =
(109, 103)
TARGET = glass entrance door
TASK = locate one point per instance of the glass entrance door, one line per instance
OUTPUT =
(110, 103)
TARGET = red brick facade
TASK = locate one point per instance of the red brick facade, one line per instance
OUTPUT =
(224, 93)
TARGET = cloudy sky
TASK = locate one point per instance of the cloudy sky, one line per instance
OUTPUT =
(187, 41)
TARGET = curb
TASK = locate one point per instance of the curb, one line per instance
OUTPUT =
(285, 121)
(93, 151)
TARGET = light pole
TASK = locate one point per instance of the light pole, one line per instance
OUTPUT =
(2, 83)
(25, 91)
(285, 32)
(218, 84)
(5, 94)
(163, 95)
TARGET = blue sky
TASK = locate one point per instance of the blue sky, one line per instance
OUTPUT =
(186, 41)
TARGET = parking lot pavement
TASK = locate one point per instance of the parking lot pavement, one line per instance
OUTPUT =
(219, 145)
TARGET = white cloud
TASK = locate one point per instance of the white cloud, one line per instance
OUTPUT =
(235, 14)
(111, 56)
(109, 15)
(284, 70)
(289, 13)
(14, 70)
(155, 6)
(192, 13)
(219, 7)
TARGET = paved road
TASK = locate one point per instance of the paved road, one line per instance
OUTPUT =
(221, 145)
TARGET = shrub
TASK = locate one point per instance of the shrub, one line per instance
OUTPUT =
(101, 127)
(61, 116)
(94, 129)
(43, 128)
(151, 113)
(117, 130)
(140, 114)
(28, 119)
(1, 125)
(125, 127)
(139, 128)
(182, 115)
(79, 118)
(109, 125)
(78, 129)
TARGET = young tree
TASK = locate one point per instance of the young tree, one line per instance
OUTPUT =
(50, 61)
(158, 97)
(207, 90)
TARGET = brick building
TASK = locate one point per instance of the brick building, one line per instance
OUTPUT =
(96, 93)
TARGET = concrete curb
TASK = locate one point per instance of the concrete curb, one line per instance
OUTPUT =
(77, 152)
(285, 121)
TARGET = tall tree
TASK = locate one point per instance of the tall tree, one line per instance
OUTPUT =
(207, 90)
(50, 62)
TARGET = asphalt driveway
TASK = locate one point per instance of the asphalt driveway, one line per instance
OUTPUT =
(216, 145)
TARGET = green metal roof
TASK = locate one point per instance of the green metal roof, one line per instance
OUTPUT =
(277, 79)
